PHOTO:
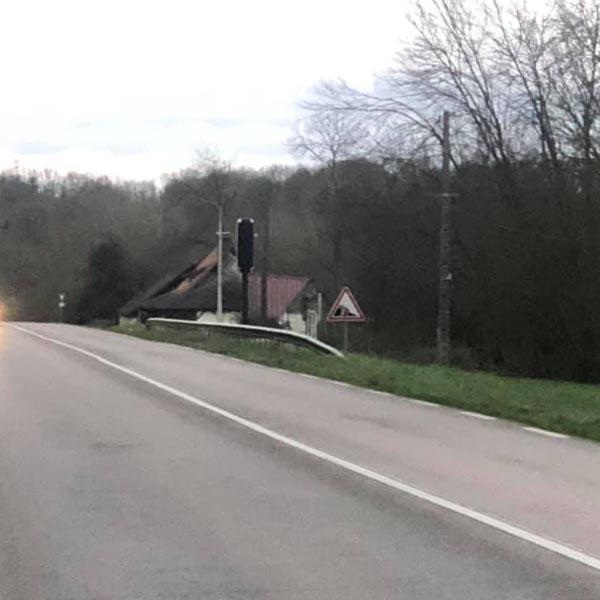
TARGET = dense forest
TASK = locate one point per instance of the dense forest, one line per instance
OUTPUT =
(522, 89)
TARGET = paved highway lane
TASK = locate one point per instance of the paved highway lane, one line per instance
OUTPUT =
(112, 488)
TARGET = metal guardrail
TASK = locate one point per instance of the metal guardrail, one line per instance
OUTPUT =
(249, 331)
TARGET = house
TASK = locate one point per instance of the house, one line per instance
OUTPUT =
(292, 302)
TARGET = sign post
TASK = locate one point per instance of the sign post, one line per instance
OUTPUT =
(245, 256)
(346, 342)
(346, 310)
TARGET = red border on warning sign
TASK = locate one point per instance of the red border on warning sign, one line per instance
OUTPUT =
(331, 318)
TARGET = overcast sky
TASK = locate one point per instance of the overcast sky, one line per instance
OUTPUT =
(132, 88)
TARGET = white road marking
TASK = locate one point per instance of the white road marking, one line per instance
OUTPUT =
(380, 393)
(477, 415)
(560, 436)
(342, 383)
(515, 531)
(279, 370)
(424, 403)
(306, 375)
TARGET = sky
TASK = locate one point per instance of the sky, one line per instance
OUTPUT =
(133, 89)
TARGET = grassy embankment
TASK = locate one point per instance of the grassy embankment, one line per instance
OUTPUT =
(558, 406)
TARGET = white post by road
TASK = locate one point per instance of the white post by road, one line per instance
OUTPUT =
(61, 307)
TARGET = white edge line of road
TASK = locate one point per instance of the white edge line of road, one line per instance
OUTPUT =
(424, 403)
(477, 415)
(553, 434)
(380, 393)
(513, 530)
(483, 417)
(342, 383)
(469, 413)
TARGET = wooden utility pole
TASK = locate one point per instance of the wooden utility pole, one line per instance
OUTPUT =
(445, 282)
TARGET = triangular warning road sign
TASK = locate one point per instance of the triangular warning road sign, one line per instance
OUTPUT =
(346, 309)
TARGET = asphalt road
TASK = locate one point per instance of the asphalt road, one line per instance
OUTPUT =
(113, 488)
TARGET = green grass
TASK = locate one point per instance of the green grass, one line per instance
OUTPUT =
(558, 406)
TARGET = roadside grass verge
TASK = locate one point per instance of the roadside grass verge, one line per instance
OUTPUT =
(563, 407)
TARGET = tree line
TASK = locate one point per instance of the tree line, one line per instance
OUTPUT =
(522, 90)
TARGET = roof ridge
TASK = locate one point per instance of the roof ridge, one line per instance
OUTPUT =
(278, 276)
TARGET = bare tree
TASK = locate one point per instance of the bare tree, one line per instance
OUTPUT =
(525, 43)
(328, 137)
(398, 129)
(216, 174)
(577, 53)
(267, 187)
(448, 65)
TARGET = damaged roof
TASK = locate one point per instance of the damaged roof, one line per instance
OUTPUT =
(195, 289)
